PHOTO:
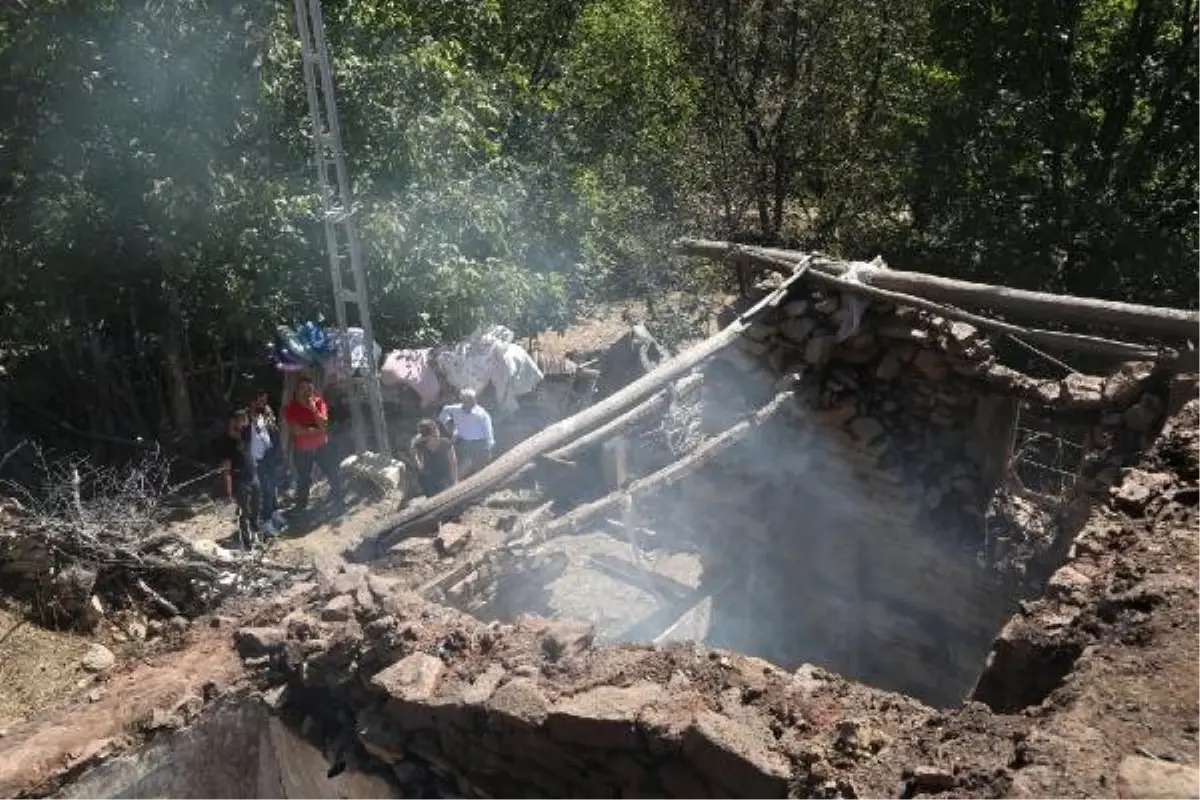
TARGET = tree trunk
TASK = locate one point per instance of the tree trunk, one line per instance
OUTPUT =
(179, 399)
(1169, 323)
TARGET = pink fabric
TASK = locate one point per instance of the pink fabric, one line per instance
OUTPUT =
(412, 368)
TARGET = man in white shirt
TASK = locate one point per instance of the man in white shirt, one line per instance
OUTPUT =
(470, 425)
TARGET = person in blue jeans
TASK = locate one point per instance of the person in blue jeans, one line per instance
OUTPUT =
(264, 448)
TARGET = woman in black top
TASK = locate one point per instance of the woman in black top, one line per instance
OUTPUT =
(437, 465)
(239, 476)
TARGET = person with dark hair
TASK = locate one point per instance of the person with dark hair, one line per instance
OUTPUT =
(307, 417)
(238, 476)
(437, 464)
(264, 449)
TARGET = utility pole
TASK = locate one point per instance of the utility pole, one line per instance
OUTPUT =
(341, 236)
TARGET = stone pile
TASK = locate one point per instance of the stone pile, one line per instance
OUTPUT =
(536, 709)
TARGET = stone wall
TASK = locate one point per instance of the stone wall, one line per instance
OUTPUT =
(535, 709)
(896, 543)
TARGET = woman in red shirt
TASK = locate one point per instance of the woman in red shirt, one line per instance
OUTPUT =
(308, 420)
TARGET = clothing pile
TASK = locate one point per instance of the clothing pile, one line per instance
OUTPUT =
(416, 369)
(310, 346)
(487, 357)
(301, 348)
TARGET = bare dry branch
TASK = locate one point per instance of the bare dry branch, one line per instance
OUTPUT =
(90, 531)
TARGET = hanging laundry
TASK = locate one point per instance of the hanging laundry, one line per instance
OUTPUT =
(285, 363)
(357, 340)
(415, 369)
(489, 356)
(291, 347)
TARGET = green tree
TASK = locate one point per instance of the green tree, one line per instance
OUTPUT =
(1065, 157)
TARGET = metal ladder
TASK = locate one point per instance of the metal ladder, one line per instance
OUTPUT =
(341, 237)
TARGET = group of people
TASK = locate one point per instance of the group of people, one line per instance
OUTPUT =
(251, 467)
(455, 444)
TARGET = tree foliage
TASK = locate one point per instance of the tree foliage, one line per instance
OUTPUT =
(513, 159)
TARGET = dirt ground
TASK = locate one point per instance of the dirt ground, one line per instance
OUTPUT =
(605, 325)
(36, 666)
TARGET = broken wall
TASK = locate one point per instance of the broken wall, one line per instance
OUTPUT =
(237, 749)
(535, 709)
(895, 542)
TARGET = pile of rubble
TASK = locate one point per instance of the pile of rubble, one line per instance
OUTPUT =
(459, 707)
(536, 709)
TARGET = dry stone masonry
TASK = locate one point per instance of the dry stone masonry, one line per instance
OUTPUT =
(897, 536)
(535, 709)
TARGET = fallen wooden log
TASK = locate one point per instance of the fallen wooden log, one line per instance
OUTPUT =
(1054, 340)
(720, 251)
(673, 472)
(1171, 323)
(655, 405)
(498, 472)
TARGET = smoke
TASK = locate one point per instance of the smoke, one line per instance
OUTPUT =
(148, 108)
(770, 513)
(794, 545)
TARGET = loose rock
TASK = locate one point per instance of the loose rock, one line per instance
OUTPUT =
(1139, 777)
(932, 780)
(257, 642)
(452, 539)
(98, 658)
(339, 609)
